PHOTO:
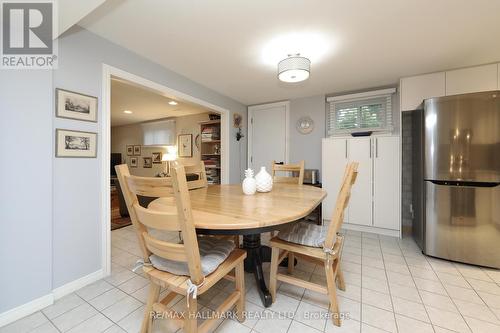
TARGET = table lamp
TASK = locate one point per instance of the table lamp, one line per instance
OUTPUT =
(170, 156)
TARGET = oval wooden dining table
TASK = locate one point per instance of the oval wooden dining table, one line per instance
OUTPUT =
(225, 210)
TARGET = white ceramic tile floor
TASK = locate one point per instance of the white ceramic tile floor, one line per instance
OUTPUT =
(391, 287)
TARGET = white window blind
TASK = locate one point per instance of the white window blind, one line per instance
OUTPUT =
(373, 113)
(159, 133)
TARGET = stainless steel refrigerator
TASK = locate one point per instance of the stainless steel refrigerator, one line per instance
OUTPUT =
(461, 178)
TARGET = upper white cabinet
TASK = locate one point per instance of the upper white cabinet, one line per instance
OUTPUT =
(417, 88)
(473, 79)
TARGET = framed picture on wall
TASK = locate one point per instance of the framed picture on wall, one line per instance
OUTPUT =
(130, 150)
(133, 162)
(73, 105)
(147, 162)
(70, 143)
(157, 157)
(185, 144)
(137, 150)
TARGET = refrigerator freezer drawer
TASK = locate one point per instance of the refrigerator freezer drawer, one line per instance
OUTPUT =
(462, 223)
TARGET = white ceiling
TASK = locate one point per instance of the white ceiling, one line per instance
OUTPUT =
(364, 43)
(144, 104)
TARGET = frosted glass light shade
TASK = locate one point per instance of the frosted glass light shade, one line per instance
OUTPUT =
(294, 69)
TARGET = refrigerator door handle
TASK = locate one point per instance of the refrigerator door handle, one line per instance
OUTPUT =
(463, 183)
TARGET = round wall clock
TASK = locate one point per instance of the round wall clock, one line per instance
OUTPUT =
(305, 125)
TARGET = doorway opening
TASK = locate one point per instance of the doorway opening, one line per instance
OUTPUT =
(147, 125)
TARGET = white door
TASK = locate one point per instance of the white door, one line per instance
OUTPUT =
(360, 204)
(386, 183)
(334, 160)
(267, 135)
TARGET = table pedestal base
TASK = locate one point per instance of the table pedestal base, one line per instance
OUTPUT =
(256, 255)
(253, 264)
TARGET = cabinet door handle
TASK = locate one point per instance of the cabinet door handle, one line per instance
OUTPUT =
(376, 147)
(370, 148)
(346, 149)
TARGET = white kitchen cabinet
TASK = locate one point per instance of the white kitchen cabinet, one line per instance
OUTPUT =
(472, 79)
(360, 203)
(417, 88)
(375, 199)
(386, 188)
(333, 171)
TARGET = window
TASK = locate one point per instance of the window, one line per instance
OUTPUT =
(365, 113)
(159, 133)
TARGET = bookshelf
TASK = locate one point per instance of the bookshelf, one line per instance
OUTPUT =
(210, 149)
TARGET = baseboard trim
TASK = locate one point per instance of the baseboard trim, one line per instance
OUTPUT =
(72, 286)
(44, 301)
(25, 309)
(375, 230)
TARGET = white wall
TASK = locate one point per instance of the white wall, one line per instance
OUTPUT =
(50, 207)
(121, 136)
(26, 141)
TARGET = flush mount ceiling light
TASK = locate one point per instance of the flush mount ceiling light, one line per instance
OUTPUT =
(294, 68)
(127, 111)
(173, 103)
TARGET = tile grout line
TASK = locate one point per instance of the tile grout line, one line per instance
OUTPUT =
(389, 287)
(451, 298)
(416, 287)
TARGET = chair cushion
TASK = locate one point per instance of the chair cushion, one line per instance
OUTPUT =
(304, 233)
(213, 252)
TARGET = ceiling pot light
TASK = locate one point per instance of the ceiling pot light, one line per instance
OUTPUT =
(127, 111)
(294, 68)
(173, 103)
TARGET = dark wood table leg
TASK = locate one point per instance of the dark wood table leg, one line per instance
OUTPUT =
(253, 264)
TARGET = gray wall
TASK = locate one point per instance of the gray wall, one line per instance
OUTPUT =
(307, 147)
(50, 205)
(25, 186)
(77, 225)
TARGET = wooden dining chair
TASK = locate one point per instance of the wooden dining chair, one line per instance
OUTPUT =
(189, 268)
(291, 169)
(198, 169)
(312, 243)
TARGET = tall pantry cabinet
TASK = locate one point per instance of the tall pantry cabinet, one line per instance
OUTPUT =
(375, 199)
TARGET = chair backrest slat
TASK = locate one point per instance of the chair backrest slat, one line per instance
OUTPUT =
(158, 219)
(151, 187)
(198, 169)
(342, 201)
(299, 167)
(164, 249)
(178, 218)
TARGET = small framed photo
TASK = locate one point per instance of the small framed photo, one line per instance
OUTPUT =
(157, 157)
(73, 105)
(185, 144)
(147, 162)
(70, 143)
(133, 162)
(137, 150)
(130, 150)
